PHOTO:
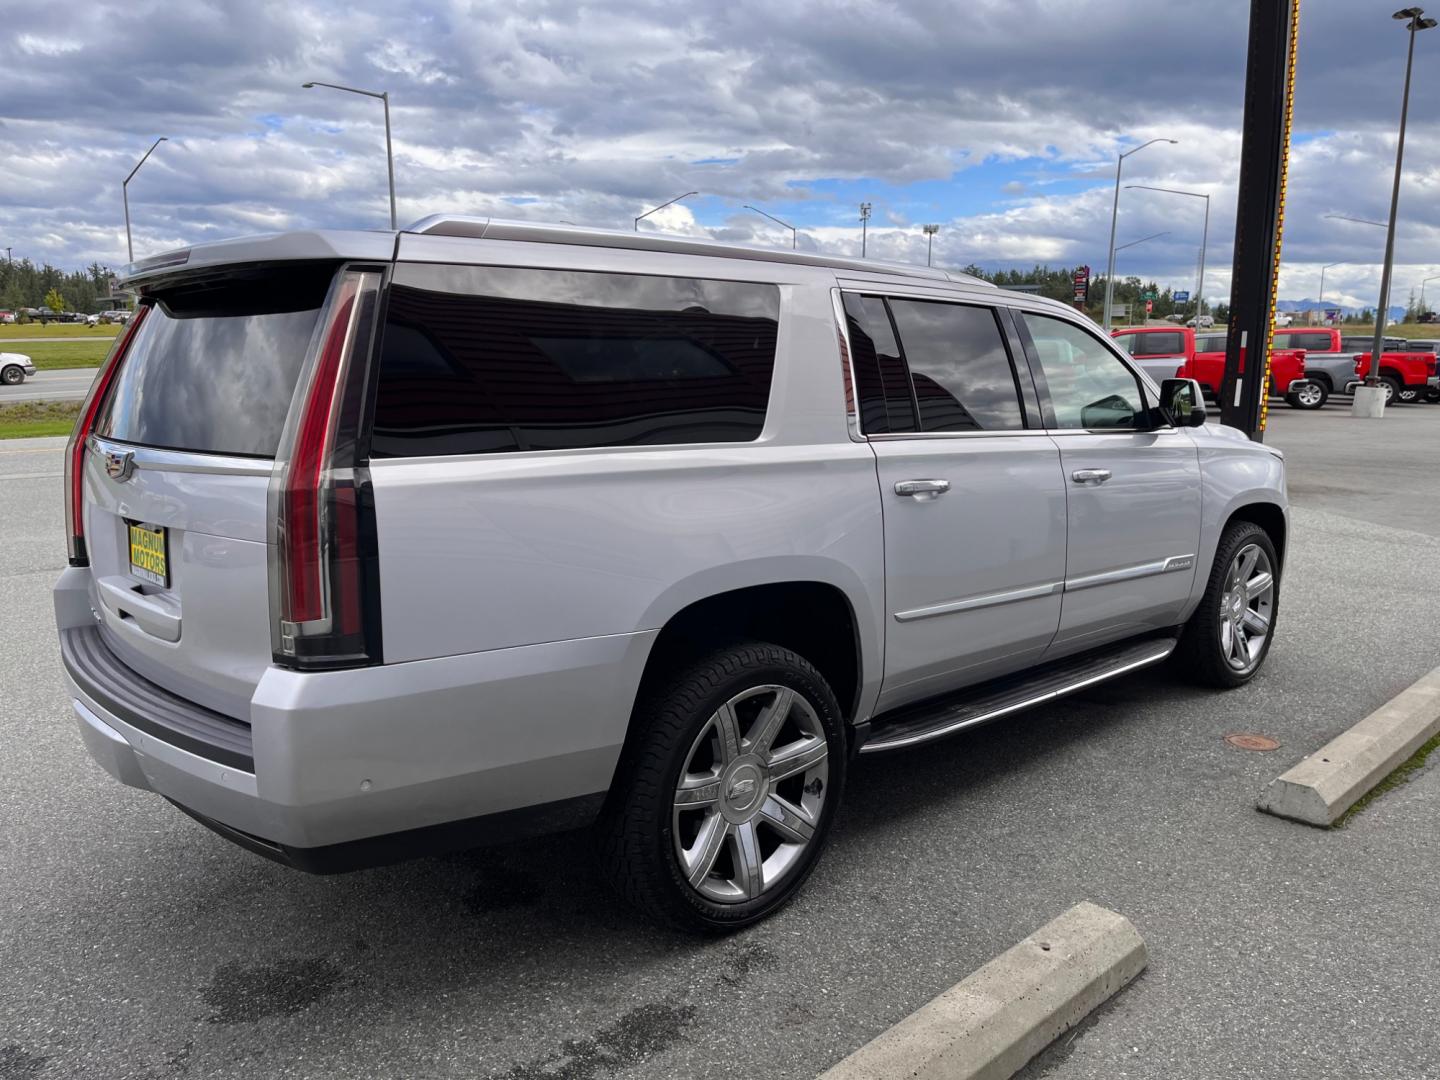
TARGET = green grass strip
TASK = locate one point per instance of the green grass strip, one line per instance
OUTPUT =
(1403, 774)
(33, 419)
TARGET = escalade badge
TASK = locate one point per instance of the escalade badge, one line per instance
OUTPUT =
(742, 787)
(119, 464)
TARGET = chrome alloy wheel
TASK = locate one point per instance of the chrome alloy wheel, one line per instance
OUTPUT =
(1309, 395)
(750, 794)
(1246, 608)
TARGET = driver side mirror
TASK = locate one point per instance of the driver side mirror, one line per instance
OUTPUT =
(1183, 401)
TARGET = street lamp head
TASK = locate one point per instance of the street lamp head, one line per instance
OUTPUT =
(930, 230)
(1424, 24)
(1408, 13)
(307, 86)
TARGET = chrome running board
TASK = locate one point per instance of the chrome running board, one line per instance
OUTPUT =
(989, 701)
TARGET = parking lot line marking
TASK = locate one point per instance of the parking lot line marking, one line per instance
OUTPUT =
(995, 1020)
(1321, 787)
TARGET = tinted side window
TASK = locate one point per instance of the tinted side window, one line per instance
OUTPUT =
(1164, 343)
(1313, 342)
(1089, 387)
(886, 404)
(959, 366)
(479, 359)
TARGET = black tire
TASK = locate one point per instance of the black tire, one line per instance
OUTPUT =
(1315, 398)
(1201, 654)
(1432, 395)
(636, 832)
(1392, 389)
(12, 375)
(1408, 395)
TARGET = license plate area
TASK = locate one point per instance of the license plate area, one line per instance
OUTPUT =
(149, 553)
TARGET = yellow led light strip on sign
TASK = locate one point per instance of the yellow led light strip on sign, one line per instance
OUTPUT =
(1280, 216)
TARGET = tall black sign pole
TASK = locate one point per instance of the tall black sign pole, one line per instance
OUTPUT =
(1260, 215)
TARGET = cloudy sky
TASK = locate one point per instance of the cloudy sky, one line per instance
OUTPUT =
(998, 119)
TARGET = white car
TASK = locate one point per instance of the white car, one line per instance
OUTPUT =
(14, 367)
(1203, 322)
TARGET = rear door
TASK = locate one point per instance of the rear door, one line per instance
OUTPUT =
(1134, 490)
(971, 490)
(176, 479)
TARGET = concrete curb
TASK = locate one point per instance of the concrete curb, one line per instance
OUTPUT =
(987, 1026)
(1330, 781)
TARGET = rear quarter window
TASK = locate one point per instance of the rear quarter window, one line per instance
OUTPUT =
(492, 359)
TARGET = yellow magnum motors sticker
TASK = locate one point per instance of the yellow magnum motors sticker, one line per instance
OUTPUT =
(147, 554)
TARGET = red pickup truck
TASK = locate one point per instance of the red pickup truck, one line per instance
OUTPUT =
(1177, 352)
(1342, 360)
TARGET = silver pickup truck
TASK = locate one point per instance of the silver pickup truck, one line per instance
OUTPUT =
(1335, 369)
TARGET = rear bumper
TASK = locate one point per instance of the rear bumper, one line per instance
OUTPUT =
(355, 768)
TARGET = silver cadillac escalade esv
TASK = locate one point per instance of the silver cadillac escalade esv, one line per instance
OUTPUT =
(388, 542)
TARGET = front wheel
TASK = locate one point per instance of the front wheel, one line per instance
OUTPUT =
(723, 802)
(1310, 396)
(1229, 635)
(12, 376)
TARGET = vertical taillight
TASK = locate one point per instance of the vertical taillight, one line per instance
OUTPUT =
(84, 423)
(323, 577)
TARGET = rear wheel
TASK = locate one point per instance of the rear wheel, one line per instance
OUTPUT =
(1392, 389)
(723, 802)
(1309, 396)
(12, 375)
(1227, 639)
(1407, 395)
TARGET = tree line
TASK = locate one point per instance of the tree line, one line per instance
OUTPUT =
(1059, 284)
(23, 284)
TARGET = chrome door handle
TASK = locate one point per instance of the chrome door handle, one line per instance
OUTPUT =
(922, 489)
(1090, 476)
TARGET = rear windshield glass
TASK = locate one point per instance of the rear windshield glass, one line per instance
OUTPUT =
(214, 372)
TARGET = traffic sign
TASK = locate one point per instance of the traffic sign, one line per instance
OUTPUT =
(1148, 294)
(1082, 284)
(1181, 297)
(1149, 307)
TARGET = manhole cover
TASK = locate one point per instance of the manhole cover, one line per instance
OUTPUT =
(1252, 742)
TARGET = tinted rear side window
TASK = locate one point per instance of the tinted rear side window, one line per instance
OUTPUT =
(959, 366)
(886, 402)
(212, 369)
(1312, 342)
(1163, 343)
(484, 359)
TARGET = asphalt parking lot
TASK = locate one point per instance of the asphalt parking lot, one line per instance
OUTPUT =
(136, 944)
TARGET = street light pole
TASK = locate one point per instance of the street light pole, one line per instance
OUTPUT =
(1114, 219)
(125, 196)
(1435, 277)
(1327, 266)
(1372, 380)
(1204, 241)
(930, 231)
(864, 223)
(662, 206)
(384, 96)
(794, 236)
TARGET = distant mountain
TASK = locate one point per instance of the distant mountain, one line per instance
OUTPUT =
(1315, 305)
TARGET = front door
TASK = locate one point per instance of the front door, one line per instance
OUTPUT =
(1134, 491)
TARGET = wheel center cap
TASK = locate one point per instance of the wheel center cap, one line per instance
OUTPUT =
(742, 788)
(1237, 605)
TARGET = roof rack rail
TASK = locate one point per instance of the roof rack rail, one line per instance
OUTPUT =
(483, 228)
